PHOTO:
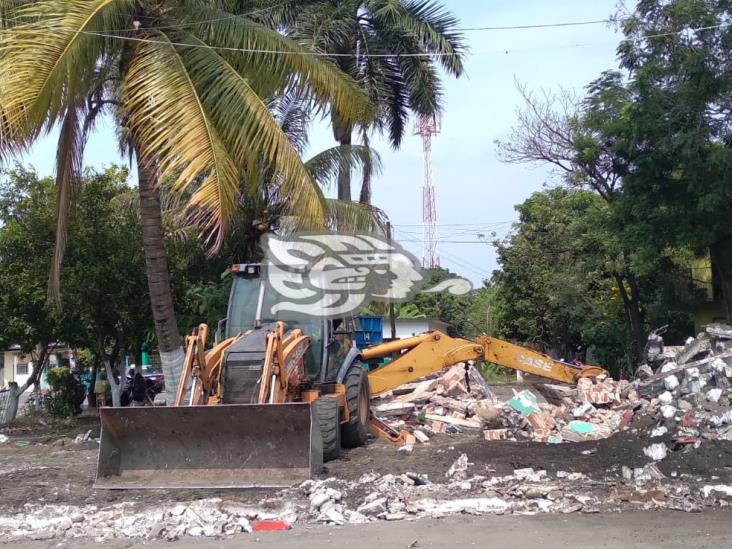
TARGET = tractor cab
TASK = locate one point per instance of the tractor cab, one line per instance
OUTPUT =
(331, 347)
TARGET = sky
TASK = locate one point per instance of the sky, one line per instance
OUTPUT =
(476, 192)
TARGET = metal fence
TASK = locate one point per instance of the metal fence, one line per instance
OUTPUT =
(4, 405)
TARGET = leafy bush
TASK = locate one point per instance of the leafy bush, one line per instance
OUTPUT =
(59, 402)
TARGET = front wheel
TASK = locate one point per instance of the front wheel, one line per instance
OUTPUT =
(328, 414)
(358, 399)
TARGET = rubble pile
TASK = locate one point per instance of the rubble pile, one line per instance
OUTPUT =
(689, 395)
(460, 401)
(689, 392)
(455, 401)
(467, 489)
(210, 517)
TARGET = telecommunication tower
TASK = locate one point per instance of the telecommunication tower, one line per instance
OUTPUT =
(426, 127)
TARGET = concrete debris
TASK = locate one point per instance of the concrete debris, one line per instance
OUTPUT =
(593, 410)
(81, 438)
(721, 489)
(202, 518)
(689, 384)
(656, 452)
(458, 470)
(690, 392)
(421, 437)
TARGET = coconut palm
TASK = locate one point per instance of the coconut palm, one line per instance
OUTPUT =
(263, 208)
(184, 80)
(375, 41)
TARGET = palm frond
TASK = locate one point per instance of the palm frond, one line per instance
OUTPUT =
(293, 115)
(423, 84)
(430, 23)
(354, 217)
(69, 161)
(48, 63)
(326, 165)
(169, 123)
(8, 18)
(342, 216)
(286, 61)
(9, 144)
(246, 125)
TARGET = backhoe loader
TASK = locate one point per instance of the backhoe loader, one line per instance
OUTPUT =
(275, 397)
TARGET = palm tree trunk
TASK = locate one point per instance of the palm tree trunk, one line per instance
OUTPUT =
(342, 133)
(365, 196)
(158, 279)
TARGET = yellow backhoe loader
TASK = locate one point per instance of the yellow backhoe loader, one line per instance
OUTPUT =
(275, 397)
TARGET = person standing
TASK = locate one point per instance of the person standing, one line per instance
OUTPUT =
(138, 390)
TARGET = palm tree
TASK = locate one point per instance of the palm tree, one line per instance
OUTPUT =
(294, 116)
(184, 80)
(382, 44)
(263, 208)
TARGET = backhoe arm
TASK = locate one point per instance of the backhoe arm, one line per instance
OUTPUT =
(520, 358)
(433, 351)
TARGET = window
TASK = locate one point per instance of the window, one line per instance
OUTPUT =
(21, 369)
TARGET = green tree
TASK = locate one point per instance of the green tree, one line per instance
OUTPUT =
(186, 103)
(678, 131)
(573, 136)
(26, 244)
(451, 309)
(365, 38)
(106, 305)
(558, 287)
(482, 313)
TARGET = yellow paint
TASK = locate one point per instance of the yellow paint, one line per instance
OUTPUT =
(433, 351)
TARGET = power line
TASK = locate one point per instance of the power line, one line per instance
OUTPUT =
(440, 241)
(353, 55)
(538, 26)
(282, 4)
(476, 269)
(458, 224)
(452, 258)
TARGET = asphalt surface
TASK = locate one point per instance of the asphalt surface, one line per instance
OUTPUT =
(669, 530)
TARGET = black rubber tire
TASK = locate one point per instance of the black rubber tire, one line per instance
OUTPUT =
(355, 431)
(329, 414)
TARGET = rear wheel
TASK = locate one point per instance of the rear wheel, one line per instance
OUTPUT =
(328, 413)
(358, 399)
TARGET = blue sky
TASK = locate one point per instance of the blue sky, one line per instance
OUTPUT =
(476, 193)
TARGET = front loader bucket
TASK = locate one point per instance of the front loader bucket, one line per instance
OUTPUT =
(224, 446)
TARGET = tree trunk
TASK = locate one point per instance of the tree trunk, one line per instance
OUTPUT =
(365, 196)
(114, 386)
(632, 310)
(721, 257)
(91, 397)
(158, 279)
(342, 133)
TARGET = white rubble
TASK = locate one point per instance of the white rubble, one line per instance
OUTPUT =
(656, 452)
(458, 470)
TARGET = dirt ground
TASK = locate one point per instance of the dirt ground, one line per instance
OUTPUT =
(34, 466)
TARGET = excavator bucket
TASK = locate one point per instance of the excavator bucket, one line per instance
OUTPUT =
(224, 446)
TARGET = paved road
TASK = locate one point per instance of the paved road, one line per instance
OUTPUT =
(669, 530)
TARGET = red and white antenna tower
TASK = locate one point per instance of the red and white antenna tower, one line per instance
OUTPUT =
(426, 127)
